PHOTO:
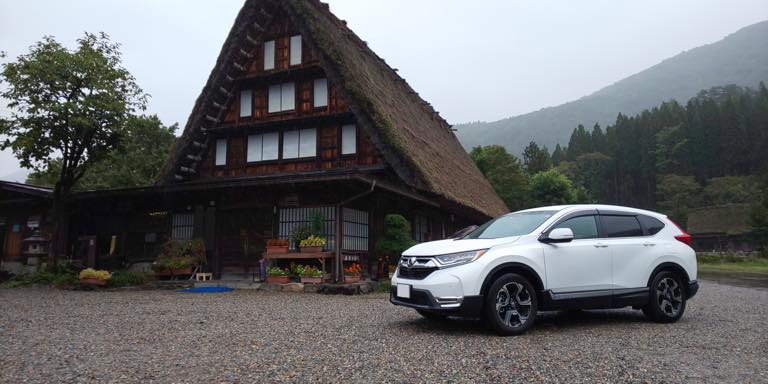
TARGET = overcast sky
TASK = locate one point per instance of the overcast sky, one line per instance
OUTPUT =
(482, 60)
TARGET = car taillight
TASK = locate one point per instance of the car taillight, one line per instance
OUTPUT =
(684, 238)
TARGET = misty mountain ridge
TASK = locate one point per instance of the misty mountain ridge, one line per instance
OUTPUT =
(739, 58)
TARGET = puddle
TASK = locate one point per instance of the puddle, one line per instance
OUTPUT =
(740, 279)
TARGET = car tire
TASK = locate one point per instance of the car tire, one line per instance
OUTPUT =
(429, 315)
(510, 305)
(667, 297)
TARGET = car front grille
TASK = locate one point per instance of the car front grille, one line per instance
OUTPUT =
(414, 273)
(417, 297)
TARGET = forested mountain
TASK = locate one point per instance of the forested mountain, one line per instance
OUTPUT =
(741, 58)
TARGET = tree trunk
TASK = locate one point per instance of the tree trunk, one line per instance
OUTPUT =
(60, 231)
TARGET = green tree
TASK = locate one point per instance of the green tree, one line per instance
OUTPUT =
(397, 238)
(592, 170)
(552, 188)
(536, 159)
(70, 105)
(504, 172)
(144, 148)
(731, 189)
(671, 149)
(580, 143)
(676, 195)
(558, 155)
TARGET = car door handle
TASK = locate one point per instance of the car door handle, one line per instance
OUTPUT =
(600, 245)
(648, 244)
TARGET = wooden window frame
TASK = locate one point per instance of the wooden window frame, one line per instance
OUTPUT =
(281, 110)
(216, 152)
(262, 133)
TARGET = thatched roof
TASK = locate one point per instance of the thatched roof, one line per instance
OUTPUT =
(409, 134)
(730, 219)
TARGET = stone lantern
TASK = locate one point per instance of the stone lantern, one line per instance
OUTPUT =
(35, 247)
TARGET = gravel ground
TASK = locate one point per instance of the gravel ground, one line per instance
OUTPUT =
(50, 335)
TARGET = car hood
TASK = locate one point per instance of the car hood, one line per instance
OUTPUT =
(442, 247)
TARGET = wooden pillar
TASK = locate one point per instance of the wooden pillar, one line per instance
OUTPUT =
(209, 236)
(373, 233)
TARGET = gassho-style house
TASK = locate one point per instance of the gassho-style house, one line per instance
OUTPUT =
(297, 117)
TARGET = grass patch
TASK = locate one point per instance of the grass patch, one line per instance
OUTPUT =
(732, 262)
(385, 285)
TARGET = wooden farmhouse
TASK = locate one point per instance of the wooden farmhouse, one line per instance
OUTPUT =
(297, 117)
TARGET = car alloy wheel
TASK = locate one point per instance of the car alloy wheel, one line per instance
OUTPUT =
(513, 304)
(669, 296)
(510, 305)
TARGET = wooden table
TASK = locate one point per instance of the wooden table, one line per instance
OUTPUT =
(321, 256)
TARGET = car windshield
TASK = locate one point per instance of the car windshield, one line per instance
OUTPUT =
(514, 224)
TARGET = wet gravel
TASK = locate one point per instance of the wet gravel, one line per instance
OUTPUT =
(50, 335)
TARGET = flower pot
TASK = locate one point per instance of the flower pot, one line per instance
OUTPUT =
(311, 249)
(162, 272)
(351, 278)
(277, 249)
(311, 279)
(182, 271)
(278, 280)
(93, 282)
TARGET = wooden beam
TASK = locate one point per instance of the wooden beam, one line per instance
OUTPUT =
(246, 54)
(187, 170)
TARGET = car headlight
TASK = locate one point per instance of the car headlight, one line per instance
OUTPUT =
(454, 259)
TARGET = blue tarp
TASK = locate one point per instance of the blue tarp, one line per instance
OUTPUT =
(205, 290)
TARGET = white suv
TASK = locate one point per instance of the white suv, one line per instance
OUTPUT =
(552, 258)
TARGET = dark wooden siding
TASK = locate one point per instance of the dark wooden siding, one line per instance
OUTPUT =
(304, 93)
(328, 155)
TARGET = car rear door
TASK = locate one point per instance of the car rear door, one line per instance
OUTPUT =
(631, 250)
(583, 264)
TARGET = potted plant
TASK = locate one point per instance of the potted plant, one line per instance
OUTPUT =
(180, 266)
(310, 274)
(91, 276)
(277, 246)
(312, 244)
(276, 275)
(352, 273)
(178, 258)
(299, 234)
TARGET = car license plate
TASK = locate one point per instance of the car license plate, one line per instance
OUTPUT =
(404, 291)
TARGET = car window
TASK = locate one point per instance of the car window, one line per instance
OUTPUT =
(651, 225)
(513, 224)
(583, 227)
(621, 226)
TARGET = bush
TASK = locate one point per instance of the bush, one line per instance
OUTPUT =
(180, 254)
(128, 278)
(60, 276)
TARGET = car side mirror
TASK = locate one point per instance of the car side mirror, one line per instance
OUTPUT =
(557, 235)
